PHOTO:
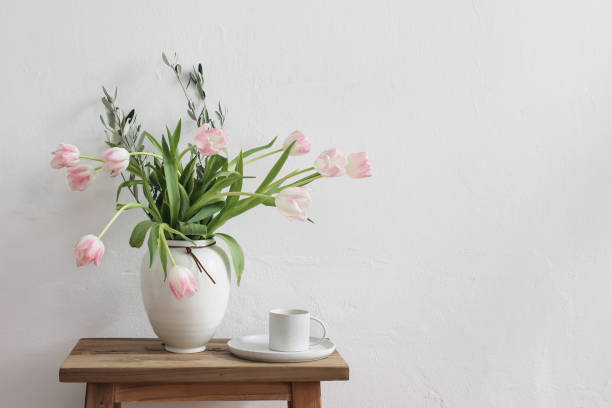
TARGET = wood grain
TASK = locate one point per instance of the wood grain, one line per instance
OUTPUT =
(100, 396)
(145, 361)
(232, 391)
(306, 395)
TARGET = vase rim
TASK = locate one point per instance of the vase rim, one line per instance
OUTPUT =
(185, 244)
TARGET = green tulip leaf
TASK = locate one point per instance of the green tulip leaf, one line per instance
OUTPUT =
(139, 233)
(236, 252)
(208, 210)
(153, 244)
(275, 169)
(193, 228)
(252, 151)
(171, 177)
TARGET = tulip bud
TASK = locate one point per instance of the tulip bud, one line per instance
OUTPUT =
(211, 141)
(292, 202)
(66, 156)
(358, 165)
(301, 146)
(116, 160)
(331, 163)
(89, 249)
(80, 177)
(181, 282)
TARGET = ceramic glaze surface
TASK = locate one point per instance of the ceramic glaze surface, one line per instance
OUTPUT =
(255, 347)
(290, 329)
(186, 325)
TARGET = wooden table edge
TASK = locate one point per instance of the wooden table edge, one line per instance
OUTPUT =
(197, 374)
(94, 376)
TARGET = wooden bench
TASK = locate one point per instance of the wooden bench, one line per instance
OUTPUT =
(129, 370)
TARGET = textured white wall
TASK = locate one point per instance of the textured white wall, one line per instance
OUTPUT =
(473, 269)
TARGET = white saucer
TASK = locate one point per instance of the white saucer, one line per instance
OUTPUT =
(255, 347)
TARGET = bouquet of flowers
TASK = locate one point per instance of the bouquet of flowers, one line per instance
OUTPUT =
(190, 193)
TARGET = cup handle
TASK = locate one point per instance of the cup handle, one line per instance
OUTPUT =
(324, 336)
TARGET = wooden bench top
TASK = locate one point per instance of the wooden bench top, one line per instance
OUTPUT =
(116, 360)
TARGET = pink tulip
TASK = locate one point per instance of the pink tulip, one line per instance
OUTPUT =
(301, 146)
(80, 177)
(331, 163)
(358, 165)
(211, 141)
(66, 156)
(181, 282)
(293, 202)
(116, 160)
(89, 249)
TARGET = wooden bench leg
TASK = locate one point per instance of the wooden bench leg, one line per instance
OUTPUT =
(305, 395)
(100, 396)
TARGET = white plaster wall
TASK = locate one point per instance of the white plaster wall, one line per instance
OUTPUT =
(473, 270)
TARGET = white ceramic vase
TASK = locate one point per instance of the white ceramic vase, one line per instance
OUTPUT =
(186, 325)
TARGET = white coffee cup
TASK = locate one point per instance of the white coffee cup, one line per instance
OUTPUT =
(289, 330)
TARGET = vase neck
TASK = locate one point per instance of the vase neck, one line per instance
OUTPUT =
(173, 243)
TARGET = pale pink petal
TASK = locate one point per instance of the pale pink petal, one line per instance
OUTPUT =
(66, 156)
(301, 146)
(116, 160)
(330, 163)
(181, 282)
(89, 249)
(211, 141)
(358, 165)
(293, 202)
(80, 177)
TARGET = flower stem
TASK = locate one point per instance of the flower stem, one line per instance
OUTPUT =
(287, 177)
(125, 207)
(170, 254)
(161, 234)
(304, 181)
(178, 78)
(185, 151)
(146, 154)
(91, 158)
(264, 155)
(241, 193)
